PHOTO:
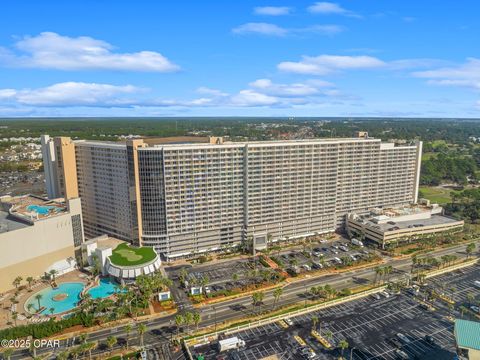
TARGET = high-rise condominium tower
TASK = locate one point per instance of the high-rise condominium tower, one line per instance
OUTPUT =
(191, 197)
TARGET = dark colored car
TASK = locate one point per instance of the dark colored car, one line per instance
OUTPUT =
(429, 339)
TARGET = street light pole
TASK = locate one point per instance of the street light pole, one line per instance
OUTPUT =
(351, 352)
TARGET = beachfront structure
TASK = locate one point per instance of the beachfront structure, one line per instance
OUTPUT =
(189, 195)
(402, 224)
(38, 235)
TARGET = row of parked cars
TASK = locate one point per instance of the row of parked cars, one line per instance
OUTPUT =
(401, 340)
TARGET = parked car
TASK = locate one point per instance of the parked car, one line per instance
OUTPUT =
(429, 339)
(475, 308)
(401, 354)
(288, 321)
(386, 294)
(403, 338)
(395, 342)
(343, 248)
(317, 266)
(376, 296)
(306, 267)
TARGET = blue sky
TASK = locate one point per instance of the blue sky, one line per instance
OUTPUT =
(240, 58)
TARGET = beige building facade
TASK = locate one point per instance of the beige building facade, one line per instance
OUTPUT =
(35, 235)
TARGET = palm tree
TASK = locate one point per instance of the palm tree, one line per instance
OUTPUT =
(128, 329)
(315, 321)
(277, 293)
(29, 307)
(15, 317)
(257, 298)
(29, 281)
(378, 270)
(470, 248)
(343, 344)
(142, 329)
(111, 341)
(52, 310)
(38, 297)
(8, 353)
(188, 319)
(414, 263)
(64, 355)
(196, 319)
(329, 335)
(90, 346)
(83, 338)
(470, 298)
(179, 320)
(17, 281)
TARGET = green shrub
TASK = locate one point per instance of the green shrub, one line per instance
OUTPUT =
(47, 328)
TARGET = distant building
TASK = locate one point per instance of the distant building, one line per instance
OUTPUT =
(405, 223)
(38, 235)
(467, 337)
(189, 195)
(50, 167)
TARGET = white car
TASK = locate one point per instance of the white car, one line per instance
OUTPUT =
(289, 321)
(386, 294)
(475, 308)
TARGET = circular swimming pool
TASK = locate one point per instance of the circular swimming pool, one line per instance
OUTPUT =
(55, 301)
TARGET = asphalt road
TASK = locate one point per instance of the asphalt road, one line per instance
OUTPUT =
(161, 329)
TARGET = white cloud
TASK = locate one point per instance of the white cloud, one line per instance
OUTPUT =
(252, 98)
(260, 28)
(327, 8)
(275, 30)
(210, 91)
(326, 64)
(49, 50)
(464, 75)
(266, 86)
(72, 94)
(272, 10)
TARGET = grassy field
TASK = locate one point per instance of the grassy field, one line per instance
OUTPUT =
(125, 255)
(436, 194)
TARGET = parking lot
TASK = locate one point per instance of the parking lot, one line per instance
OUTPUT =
(220, 276)
(370, 326)
(459, 286)
(321, 256)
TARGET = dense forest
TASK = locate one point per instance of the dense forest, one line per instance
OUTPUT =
(453, 131)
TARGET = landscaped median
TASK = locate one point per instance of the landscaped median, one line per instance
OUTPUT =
(238, 293)
(321, 339)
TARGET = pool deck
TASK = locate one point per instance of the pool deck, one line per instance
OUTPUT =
(24, 295)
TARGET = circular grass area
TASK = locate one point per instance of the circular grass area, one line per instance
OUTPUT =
(126, 255)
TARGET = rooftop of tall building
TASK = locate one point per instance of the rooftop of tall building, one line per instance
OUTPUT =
(20, 211)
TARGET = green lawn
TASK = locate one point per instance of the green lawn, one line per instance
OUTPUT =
(436, 194)
(126, 255)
